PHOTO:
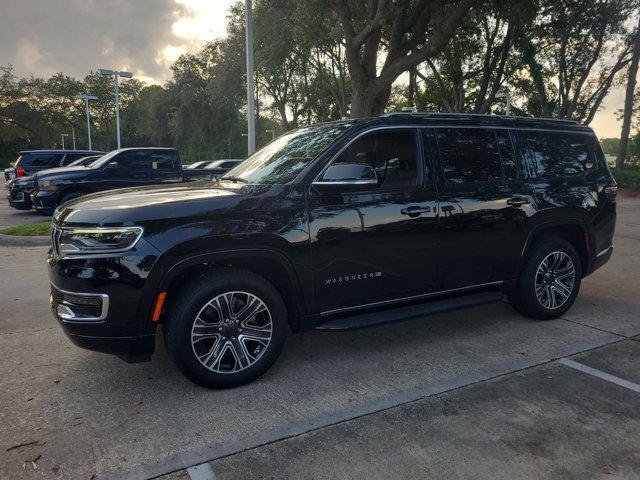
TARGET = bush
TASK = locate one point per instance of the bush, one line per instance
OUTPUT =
(629, 177)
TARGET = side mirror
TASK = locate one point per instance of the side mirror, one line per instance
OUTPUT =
(112, 165)
(356, 175)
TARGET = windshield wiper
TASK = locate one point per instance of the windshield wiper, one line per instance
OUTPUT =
(234, 179)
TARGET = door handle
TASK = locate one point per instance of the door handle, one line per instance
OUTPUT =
(518, 201)
(415, 211)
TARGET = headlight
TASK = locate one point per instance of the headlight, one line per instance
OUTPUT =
(46, 185)
(82, 241)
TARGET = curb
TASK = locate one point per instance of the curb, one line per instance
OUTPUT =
(24, 241)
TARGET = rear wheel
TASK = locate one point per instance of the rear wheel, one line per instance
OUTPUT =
(226, 328)
(549, 280)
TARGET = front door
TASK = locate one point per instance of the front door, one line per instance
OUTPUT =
(483, 205)
(376, 244)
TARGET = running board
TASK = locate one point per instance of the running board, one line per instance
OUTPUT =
(403, 313)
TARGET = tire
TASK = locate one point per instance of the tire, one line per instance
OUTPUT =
(196, 315)
(537, 295)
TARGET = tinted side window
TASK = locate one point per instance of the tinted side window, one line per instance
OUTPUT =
(133, 160)
(164, 160)
(40, 160)
(559, 154)
(469, 155)
(392, 153)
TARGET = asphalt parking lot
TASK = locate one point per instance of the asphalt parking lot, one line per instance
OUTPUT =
(481, 392)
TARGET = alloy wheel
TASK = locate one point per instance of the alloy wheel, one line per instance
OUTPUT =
(554, 280)
(231, 332)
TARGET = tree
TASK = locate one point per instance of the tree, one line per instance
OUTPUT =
(574, 51)
(408, 31)
(629, 100)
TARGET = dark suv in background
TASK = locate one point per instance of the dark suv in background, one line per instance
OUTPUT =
(32, 161)
(127, 167)
(21, 188)
(335, 226)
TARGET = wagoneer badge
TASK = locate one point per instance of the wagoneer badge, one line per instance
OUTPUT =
(353, 278)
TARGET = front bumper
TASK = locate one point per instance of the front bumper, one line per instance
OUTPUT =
(20, 199)
(44, 202)
(104, 303)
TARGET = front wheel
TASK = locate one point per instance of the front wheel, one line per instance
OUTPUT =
(226, 328)
(549, 280)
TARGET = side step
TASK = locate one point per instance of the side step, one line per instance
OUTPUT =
(403, 313)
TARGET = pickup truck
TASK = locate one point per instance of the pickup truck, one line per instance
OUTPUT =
(126, 167)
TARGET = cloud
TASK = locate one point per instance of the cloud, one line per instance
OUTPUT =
(41, 37)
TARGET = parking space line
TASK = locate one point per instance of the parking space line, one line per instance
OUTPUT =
(600, 374)
(201, 472)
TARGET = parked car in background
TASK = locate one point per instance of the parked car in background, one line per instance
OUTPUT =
(32, 161)
(83, 161)
(127, 167)
(210, 169)
(336, 226)
(21, 188)
(191, 166)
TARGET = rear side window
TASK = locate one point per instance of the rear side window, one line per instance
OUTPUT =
(72, 157)
(40, 160)
(133, 160)
(471, 155)
(559, 154)
(164, 160)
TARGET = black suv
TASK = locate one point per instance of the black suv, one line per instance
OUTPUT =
(335, 226)
(32, 161)
(127, 167)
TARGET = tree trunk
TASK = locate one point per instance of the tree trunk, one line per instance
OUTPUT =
(628, 102)
(364, 104)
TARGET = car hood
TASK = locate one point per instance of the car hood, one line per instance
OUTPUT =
(61, 172)
(156, 203)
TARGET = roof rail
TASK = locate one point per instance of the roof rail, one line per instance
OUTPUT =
(462, 115)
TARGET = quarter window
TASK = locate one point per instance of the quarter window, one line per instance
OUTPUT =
(392, 153)
(559, 154)
(472, 155)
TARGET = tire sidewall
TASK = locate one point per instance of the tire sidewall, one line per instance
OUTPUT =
(180, 322)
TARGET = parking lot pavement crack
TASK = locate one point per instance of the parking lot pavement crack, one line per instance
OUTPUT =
(595, 328)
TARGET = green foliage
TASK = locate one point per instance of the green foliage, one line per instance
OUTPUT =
(38, 229)
(628, 177)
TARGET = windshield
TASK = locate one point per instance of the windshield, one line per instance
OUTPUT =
(103, 159)
(284, 158)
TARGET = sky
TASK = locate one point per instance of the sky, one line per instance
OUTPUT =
(43, 37)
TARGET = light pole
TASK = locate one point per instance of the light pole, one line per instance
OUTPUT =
(62, 135)
(73, 136)
(115, 75)
(251, 120)
(86, 99)
(273, 134)
(507, 96)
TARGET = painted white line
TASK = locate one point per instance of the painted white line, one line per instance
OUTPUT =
(600, 374)
(201, 472)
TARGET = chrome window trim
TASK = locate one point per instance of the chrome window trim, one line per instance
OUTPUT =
(72, 318)
(413, 297)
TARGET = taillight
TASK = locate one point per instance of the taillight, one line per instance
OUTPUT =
(611, 193)
(19, 172)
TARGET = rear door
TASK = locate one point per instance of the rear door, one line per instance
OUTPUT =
(483, 205)
(377, 244)
(132, 169)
